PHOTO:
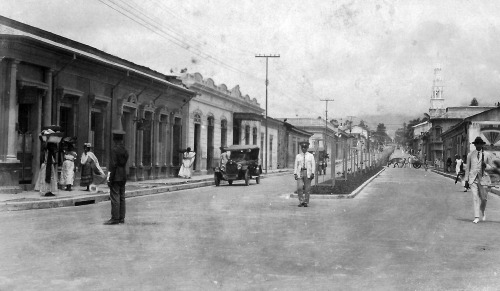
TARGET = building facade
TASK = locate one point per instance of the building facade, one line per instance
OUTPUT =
(458, 139)
(46, 79)
(219, 117)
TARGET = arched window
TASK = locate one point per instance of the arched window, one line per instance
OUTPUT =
(247, 134)
(197, 118)
(254, 133)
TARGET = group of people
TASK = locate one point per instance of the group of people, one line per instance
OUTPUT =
(91, 172)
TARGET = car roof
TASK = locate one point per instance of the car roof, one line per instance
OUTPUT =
(241, 147)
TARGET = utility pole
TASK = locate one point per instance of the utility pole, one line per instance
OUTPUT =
(332, 157)
(351, 153)
(267, 83)
(326, 119)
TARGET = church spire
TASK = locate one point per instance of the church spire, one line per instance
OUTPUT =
(437, 101)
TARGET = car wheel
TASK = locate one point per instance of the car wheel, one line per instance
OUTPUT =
(217, 180)
(257, 180)
(230, 182)
(247, 178)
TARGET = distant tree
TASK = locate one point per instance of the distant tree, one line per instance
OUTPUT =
(380, 134)
(399, 136)
(474, 102)
(362, 124)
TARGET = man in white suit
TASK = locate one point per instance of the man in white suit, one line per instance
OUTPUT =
(476, 177)
(304, 173)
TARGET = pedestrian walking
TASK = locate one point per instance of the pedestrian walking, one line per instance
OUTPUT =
(117, 178)
(460, 170)
(68, 166)
(187, 163)
(476, 178)
(464, 165)
(90, 168)
(304, 173)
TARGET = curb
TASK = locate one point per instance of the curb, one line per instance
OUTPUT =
(343, 196)
(101, 197)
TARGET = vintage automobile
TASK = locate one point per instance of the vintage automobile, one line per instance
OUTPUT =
(322, 163)
(243, 164)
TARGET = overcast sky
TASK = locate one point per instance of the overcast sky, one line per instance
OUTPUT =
(371, 57)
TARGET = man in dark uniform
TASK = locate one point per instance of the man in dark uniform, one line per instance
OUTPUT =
(117, 179)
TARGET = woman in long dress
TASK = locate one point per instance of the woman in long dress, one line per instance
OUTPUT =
(68, 166)
(90, 166)
(47, 177)
(187, 163)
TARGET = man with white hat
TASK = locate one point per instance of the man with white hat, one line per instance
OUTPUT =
(304, 173)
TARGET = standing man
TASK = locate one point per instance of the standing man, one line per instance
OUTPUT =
(304, 173)
(117, 179)
(224, 156)
(475, 177)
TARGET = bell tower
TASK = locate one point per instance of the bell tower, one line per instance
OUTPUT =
(437, 101)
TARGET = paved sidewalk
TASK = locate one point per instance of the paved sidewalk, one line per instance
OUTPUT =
(32, 200)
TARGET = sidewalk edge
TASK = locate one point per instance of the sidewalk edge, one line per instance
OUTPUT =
(343, 196)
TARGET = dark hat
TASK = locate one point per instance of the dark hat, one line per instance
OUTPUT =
(478, 140)
(118, 132)
(304, 144)
(70, 139)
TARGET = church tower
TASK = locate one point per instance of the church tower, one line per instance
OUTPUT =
(437, 101)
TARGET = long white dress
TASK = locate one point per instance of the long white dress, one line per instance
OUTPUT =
(68, 169)
(41, 185)
(187, 164)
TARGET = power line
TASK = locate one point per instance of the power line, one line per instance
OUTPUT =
(155, 28)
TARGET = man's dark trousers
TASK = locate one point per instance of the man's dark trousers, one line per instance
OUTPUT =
(117, 195)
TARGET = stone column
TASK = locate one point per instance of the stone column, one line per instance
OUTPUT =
(139, 146)
(155, 167)
(12, 115)
(47, 101)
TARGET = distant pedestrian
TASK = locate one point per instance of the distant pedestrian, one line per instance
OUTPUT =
(459, 170)
(304, 173)
(187, 163)
(464, 165)
(117, 178)
(476, 178)
(410, 161)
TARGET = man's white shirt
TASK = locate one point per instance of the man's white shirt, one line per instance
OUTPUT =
(307, 162)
